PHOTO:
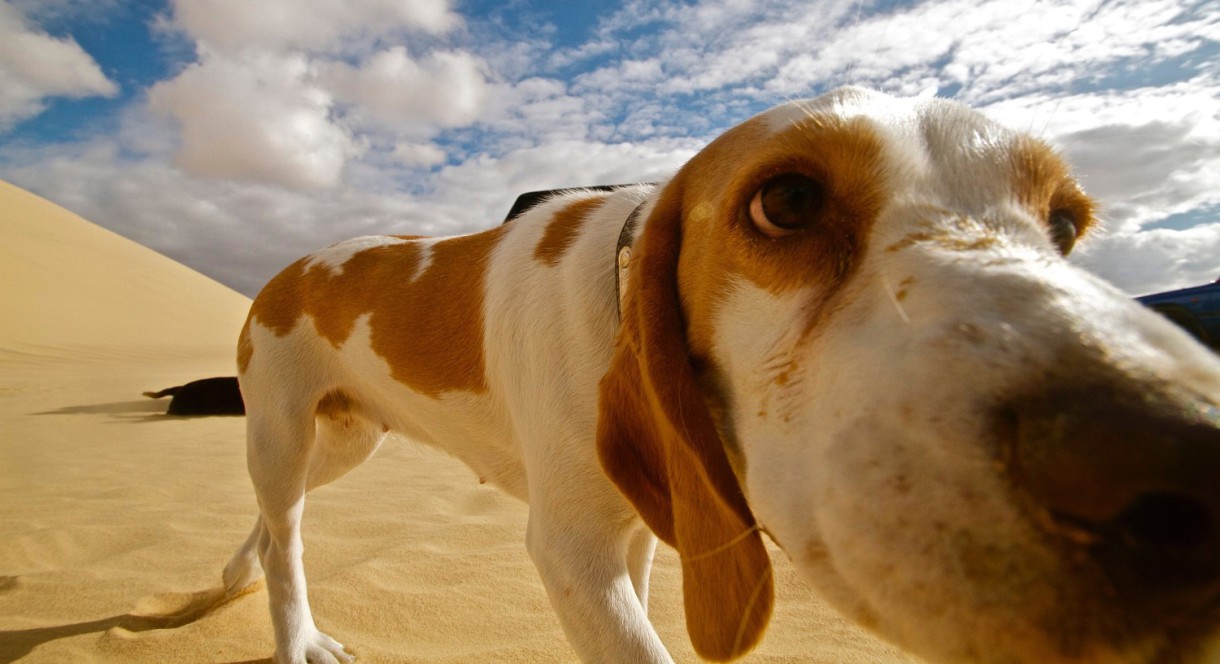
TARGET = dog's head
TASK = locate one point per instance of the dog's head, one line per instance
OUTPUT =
(850, 325)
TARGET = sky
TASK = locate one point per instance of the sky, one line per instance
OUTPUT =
(237, 136)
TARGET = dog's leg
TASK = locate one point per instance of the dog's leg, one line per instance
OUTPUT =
(282, 450)
(594, 572)
(340, 446)
(244, 568)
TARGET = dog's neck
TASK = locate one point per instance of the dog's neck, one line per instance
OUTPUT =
(622, 252)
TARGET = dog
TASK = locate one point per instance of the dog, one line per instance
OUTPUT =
(846, 324)
(206, 396)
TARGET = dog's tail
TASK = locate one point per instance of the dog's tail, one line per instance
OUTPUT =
(167, 392)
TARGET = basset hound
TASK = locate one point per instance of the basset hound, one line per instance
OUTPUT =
(847, 324)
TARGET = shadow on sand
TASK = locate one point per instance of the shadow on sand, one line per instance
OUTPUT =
(137, 407)
(17, 643)
(141, 410)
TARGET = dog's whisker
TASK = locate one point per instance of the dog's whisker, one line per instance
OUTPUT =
(744, 623)
(726, 546)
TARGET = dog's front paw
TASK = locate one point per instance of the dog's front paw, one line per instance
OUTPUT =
(319, 649)
(324, 650)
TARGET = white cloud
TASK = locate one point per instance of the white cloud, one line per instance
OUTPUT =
(537, 111)
(1144, 153)
(288, 94)
(1155, 260)
(256, 116)
(994, 49)
(491, 183)
(35, 66)
(1073, 42)
(321, 25)
(416, 154)
(403, 94)
(633, 74)
(991, 47)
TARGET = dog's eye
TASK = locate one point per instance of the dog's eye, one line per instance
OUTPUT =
(786, 204)
(1063, 230)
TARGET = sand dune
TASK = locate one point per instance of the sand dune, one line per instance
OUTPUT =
(71, 284)
(116, 520)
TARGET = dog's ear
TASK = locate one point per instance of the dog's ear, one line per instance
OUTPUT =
(657, 441)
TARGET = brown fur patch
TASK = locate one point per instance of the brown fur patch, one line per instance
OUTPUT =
(428, 329)
(721, 242)
(562, 231)
(245, 347)
(1044, 184)
(335, 404)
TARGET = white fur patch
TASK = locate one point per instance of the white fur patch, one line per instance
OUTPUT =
(845, 102)
(425, 256)
(336, 255)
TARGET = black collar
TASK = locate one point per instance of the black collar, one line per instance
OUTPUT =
(622, 253)
(531, 198)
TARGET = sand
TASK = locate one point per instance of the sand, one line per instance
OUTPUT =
(116, 519)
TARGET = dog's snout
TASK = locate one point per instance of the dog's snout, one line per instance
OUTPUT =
(1135, 483)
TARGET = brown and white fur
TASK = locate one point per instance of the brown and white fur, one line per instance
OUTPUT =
(885, 365)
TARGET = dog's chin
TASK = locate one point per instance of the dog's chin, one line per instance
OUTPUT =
(1069, 621)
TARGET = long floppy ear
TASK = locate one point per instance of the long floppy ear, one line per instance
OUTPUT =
(657, 441)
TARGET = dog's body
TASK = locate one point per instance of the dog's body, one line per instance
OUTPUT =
(206, 396)
(847, 323)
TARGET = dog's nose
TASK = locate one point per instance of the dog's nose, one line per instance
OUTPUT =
(1137, 484)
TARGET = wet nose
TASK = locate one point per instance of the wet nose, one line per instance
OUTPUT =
(1136, 483)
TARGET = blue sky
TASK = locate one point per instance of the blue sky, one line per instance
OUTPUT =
(235, 136)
